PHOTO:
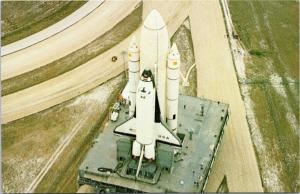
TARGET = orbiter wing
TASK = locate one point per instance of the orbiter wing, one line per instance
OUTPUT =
(127, 128)
(163, 134)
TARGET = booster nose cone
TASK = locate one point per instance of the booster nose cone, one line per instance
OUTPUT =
(133, 46)
(154, 21)
(173, 57)
(174, 54)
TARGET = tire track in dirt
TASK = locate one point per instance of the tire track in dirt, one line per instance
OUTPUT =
(57, 153)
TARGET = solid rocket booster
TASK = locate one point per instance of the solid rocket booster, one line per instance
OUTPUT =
(133, 73)
(145, 112)
(173, 87)
(154, 43)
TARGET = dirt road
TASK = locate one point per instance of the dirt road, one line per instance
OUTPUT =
(84, 77)
(216, 79)
(71, 39)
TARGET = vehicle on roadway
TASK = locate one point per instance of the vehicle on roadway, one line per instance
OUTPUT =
(115, 112)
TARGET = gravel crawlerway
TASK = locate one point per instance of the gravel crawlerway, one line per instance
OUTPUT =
(217, 80)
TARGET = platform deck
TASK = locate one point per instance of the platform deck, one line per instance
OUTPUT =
(189, 174)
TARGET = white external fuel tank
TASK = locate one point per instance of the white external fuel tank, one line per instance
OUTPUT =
(154, 44)
(145, 109)
(173, 87)
(133, 73)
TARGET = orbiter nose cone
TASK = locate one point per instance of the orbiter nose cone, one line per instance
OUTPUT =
(174, 54)
(154, 21)
(133, 46)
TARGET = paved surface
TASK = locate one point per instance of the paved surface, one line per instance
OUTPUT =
(216, 79)
(77, 15)
(82, 78)
(71, 39)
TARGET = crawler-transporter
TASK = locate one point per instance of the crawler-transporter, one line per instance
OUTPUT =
(161, 141)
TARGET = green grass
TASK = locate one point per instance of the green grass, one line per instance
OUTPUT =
(258, 53)
(24, 18)
(37, 136)
(184, 42)
(270, 32)
(282, 145)
(101, 44)
(281, 29)
(62, 177)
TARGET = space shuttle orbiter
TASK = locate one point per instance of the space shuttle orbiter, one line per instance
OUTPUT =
(153, 89)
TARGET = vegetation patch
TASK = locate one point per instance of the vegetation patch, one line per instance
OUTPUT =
(272, 80)
(183, 39)
(112, 37)
(28, 143)
(24, 18)
(257, 53)
(62, 177)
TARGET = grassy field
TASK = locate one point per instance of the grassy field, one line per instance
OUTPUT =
(23, 18)
(101, 44)
(62, 177)
(269, 30)
(29, 143)
(184, 42)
